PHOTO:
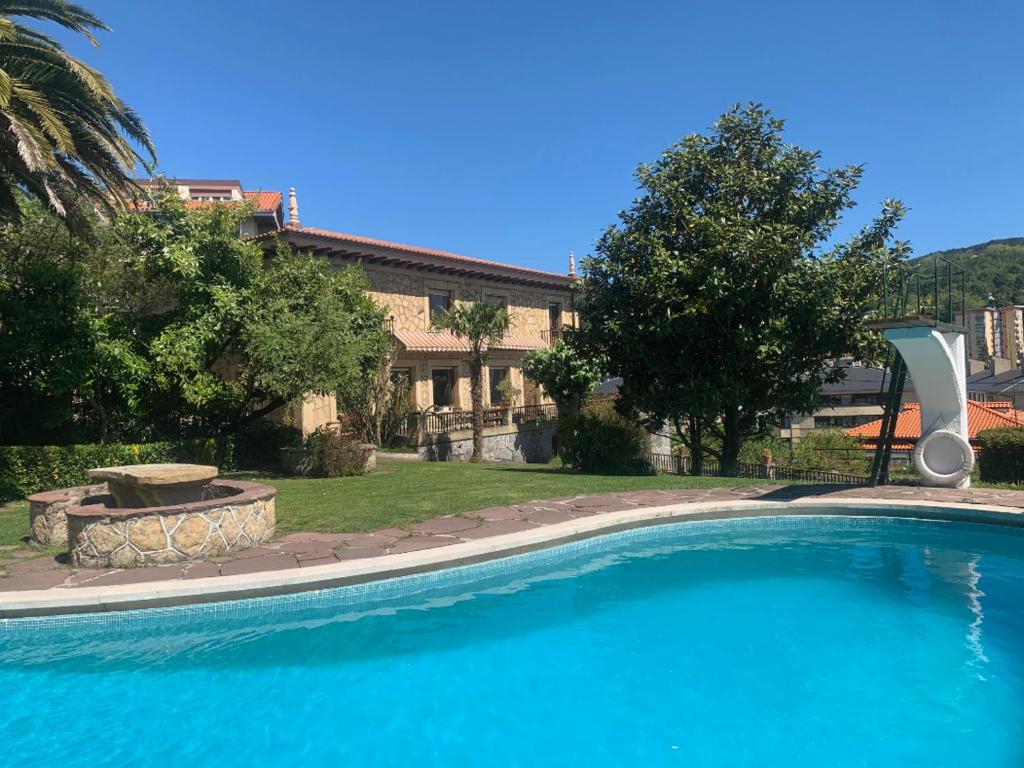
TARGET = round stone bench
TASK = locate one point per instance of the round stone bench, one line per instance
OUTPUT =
(232, 515)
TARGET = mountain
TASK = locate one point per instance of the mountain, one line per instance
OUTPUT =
(995, 267)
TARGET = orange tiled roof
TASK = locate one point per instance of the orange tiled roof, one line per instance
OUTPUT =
(445, 341)
(264, 201)
(415, 249)
(980, 416)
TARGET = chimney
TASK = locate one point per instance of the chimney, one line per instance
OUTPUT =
(293, 210)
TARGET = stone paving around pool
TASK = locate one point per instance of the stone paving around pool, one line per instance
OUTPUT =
(25, 569)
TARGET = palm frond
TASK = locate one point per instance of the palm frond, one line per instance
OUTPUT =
(63, 130)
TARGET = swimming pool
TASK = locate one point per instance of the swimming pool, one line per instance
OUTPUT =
(791, 641)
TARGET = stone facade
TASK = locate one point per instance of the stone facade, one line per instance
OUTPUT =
(530, 443)
(235, 515)
(405, 295)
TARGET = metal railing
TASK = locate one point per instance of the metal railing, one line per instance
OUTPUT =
(531, 414)
(942, 298)
(551, 335)
(440, 422)
(677, 464)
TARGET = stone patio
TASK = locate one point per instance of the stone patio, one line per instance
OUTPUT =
(24, 569)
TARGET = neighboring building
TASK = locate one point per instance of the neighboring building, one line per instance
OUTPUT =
(268, 211)
(908, 424)
(857, 399)
(417, 284)
(997, 384)
(996, 332)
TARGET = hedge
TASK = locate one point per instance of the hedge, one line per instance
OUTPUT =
(1001, 459)
(27, 469)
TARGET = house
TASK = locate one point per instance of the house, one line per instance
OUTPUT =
(857, 399)
(980, 416)
(268, 210)
(998, 382)
(416, 285)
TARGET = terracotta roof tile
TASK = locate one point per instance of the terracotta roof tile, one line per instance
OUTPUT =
(980, 416)
(265, 201)
(415, 249)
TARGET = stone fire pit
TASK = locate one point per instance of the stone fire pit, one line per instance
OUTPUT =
(153, 515)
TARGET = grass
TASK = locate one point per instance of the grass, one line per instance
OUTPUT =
(13, 522)
(405, 492)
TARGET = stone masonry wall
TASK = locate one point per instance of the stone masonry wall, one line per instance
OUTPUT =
(527, 443)
(47, 521)
(101, 537)
(404, 293)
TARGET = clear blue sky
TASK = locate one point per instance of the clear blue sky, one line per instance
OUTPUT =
(511, 131)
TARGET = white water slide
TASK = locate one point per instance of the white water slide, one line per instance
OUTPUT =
(936, 362)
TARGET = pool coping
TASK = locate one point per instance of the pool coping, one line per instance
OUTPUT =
(175, 592)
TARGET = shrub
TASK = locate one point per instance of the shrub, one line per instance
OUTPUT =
(1001, 459)
(755, 451)
(27, 469)
(329, 454)
(603, 442)
(258, 446)
(831, 449)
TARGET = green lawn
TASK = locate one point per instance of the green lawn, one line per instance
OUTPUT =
(13, 522)
(404, 492)
(400, 493)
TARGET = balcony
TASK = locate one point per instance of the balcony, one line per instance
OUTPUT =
(442, 422)
(551, 336)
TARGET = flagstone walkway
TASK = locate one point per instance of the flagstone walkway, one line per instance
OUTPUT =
(24, 569)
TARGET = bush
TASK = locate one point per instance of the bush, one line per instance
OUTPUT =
(1001, 459)
(755, 451)
(832, 450)
(27, 469)
(329, 454)
(603, 442)
(258, 446)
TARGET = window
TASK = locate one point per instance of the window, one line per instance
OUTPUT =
(868, 399)
(441, 380)
(497, 376)
(493, 298)
(439, 303)
(554, 317)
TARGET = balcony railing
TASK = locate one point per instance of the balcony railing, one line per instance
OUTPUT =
(551, 335)
(441, 422)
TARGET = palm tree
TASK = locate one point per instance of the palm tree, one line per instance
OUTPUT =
(64, 134)
(482, 324)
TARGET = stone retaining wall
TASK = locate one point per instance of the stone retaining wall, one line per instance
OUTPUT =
(531, 443)
(235, 516)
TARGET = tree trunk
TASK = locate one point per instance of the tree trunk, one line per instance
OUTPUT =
(730, 440)
(696, 446)
(476, 386)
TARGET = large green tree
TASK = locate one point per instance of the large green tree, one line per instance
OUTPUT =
(480, 323)
(65, 134)
(720, 296)
(168, 324)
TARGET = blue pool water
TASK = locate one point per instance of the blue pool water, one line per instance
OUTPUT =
(782, 641)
